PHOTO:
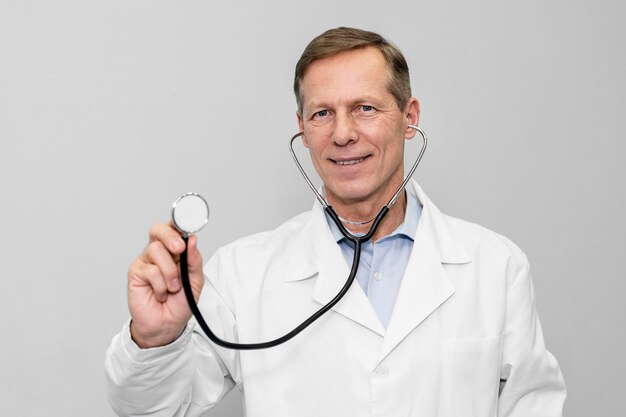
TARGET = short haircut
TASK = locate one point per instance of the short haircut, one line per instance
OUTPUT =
(344, 39)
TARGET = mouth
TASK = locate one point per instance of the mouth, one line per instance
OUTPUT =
(349, 161)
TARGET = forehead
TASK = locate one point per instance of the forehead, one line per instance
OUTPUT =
(347, 73)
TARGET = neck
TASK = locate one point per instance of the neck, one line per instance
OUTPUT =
(362, 212)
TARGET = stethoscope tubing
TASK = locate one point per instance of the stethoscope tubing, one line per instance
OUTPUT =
(264, 345)
(356, 240)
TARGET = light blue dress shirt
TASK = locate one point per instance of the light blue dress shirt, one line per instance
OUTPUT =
(383, 263)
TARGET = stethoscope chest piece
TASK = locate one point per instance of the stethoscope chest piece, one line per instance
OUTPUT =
(190, 213)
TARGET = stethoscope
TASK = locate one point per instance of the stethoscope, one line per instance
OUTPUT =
(190, 213)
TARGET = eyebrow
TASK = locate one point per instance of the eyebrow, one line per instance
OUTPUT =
(322, 104)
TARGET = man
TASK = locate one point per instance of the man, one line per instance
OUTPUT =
(442, 322)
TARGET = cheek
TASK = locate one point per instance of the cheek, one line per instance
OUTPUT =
(316, 161)
(371, 127)
(394, 153)
(314, 143)
(311, 137)
(316, 155)
(398, 149)
(314, 151)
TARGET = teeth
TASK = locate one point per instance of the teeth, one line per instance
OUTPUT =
(350, 162)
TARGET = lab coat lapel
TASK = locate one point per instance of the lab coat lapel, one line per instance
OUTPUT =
(316, 255)
(425, 286)
(354, 305)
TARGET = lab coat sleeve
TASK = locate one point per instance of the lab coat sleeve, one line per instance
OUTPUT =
(534, 384)
(184, 378)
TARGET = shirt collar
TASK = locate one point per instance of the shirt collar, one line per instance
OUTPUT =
(406, 229)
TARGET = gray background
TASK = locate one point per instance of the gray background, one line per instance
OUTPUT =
(110, 110)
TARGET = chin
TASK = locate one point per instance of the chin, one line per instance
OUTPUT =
(350, 194)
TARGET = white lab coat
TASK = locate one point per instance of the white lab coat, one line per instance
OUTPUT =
(463, 321)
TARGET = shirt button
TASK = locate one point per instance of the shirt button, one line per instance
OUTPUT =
(382, 371)
(378, 276)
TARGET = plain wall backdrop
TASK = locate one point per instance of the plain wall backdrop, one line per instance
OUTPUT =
(111, 109)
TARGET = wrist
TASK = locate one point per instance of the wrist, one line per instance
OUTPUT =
(146, 340)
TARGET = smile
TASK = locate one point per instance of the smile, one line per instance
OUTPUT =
(349, 161)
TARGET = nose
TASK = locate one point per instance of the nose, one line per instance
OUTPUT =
(344, 130)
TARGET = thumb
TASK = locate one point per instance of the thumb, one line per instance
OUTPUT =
(194, 265)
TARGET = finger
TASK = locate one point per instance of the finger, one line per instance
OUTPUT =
(194, 258)
(194, 263)
(157, 254)
(141, 274)
(169, 236)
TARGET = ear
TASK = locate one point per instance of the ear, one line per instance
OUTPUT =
(305, 142)
(412, 112)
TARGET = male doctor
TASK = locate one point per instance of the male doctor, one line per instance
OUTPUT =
(442, 321)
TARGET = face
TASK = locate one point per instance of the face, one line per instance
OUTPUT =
(353, 127)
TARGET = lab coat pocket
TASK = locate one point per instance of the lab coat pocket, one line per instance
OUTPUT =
(470, 376)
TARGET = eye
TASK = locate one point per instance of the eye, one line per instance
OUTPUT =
(367, 108)
(321, 113)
